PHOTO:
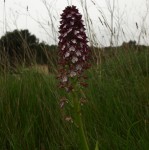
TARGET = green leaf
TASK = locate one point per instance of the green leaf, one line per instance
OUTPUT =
(96, 147)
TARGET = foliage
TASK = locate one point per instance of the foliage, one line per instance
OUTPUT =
(116, 113)
(16, 45)
(20, 47)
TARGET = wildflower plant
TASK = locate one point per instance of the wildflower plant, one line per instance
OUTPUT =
(73, 61)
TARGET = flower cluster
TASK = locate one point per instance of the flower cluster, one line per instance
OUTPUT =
(73, 48)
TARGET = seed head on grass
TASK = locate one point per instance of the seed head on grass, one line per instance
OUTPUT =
(73, 49)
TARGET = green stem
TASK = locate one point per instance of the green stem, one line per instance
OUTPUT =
(78, 121)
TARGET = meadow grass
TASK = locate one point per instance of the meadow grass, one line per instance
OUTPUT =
(117, 110)
(116, 113)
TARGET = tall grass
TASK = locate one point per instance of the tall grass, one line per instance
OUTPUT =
(116, 112)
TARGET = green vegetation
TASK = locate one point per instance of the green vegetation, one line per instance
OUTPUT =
(116, 113)
(21, 48)
(115, 109)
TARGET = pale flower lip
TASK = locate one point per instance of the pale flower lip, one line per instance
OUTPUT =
(79, 36)
(78, 53)
(76, 32)
(65, 34)
(72, 74)
(81, 45)
(83, 57)
(63, 47)
(74, 59)
(72, 12)
(68, 16)
(78, 14)
(78, 67)
(64, 79)
(74, 41)
(69, 30)
(67, 54)
(68, 44)
(64, 26)
(72, 23)
(72, 49)
(81, 29)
